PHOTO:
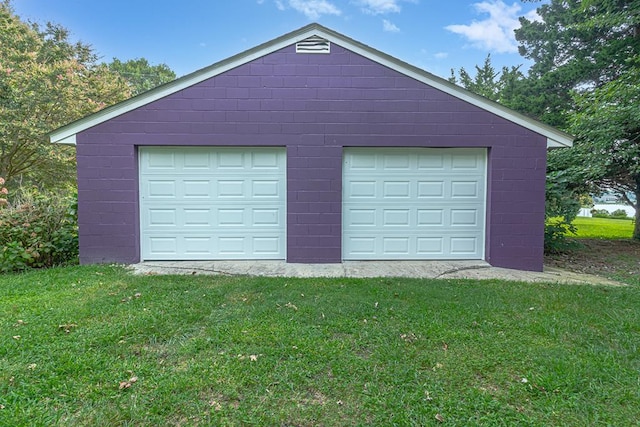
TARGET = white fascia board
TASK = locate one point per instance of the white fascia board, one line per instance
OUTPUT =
(555, 138)
(552, 143)
(70, 140)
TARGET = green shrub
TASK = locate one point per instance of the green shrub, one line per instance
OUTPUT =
(556, 231)
(619, 214)
(599, 213)
(38, 230)
(561, 208)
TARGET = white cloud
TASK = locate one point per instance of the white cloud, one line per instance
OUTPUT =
(494, 33)
(381, 7)
(389, 27)
(533, 16)
(441, 55)
(312, 9)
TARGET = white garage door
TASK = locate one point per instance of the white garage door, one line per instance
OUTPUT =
(199, 203)
(413, 203)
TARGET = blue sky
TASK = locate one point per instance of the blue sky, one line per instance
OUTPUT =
(187, 35)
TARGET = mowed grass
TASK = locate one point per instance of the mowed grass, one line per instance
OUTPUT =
(96, 346)
(603, 228)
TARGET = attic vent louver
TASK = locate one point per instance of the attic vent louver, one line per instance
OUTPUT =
(313, 44)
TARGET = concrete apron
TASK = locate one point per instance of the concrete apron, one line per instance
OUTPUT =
(478, 270)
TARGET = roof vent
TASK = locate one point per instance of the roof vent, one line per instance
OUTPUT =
(313, 44)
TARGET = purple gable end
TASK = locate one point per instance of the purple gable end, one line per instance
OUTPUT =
(314, 105)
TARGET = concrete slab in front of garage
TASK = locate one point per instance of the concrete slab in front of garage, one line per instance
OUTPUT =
(479, 270)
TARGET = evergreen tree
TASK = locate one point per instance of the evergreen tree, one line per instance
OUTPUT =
(586, 79)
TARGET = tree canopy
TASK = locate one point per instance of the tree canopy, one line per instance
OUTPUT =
(46, 81)
(576, 45)
(586, 73)
(607, 151)
(140, 75)
(495, 85)
(585, 79)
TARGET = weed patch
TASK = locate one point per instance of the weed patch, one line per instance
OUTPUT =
(38, 230)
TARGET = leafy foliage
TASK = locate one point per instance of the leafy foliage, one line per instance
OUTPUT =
(495, 85)
(46, 81)
(603, 213)
(586, 79)
(562, 207)
(599, 213)
(576, 44)
(607, 151)
(38, 230)
(619, 214)
(140, 75)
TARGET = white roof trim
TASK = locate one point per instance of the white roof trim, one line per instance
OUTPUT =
(66, 134)
(552, 143)
(69, 140)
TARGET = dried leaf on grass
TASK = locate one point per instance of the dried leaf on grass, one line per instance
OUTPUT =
(410, 337)
(252, 357)
(219, 402)
(67, 327)
(127, 299)
(127, 384)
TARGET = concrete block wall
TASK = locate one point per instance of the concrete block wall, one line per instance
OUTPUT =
(314, 105)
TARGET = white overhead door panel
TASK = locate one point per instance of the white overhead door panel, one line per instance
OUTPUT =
(413, 203)
(212, 203)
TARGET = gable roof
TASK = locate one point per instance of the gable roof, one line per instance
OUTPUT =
(67, 134)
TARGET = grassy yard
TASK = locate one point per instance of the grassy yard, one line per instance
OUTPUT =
(603, 228)
(96, 346)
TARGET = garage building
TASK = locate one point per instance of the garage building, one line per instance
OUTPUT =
(311, 148)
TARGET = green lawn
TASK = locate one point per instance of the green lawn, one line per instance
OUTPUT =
(603, 228)
(87, 346)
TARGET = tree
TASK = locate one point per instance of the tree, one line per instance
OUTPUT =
(140, 75)
(510, 88)
(46, 81)
(577, 44)
(495, 85)
(607, 125)
(587, 80)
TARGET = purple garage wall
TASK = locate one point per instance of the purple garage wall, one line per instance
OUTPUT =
(314, 104)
